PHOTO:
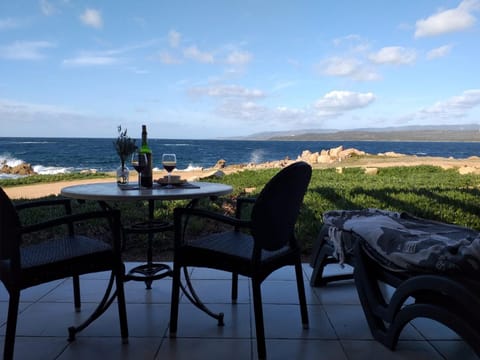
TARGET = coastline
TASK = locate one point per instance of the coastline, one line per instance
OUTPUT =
(36, 191)
(464, 166)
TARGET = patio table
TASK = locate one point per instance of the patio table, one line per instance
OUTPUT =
(193, 191)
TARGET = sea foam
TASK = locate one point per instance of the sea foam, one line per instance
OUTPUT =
(9, 160)
(51, 170)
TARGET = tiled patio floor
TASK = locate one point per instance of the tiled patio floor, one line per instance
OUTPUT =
(338, 329)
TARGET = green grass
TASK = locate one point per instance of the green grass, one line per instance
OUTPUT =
(424, 191)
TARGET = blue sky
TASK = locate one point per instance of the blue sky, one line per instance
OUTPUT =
(215, 68)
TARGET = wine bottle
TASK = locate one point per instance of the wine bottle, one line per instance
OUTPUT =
(146, 178)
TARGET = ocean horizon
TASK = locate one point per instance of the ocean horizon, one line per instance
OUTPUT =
(67, 155)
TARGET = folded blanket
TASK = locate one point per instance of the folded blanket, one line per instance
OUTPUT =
(402, 242)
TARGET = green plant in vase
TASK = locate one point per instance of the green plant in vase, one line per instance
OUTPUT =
(125, 146)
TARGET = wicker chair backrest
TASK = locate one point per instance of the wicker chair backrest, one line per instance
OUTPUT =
(9, 228)
(277, 207)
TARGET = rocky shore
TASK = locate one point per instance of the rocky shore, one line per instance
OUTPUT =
(20, 169)
(338, 158)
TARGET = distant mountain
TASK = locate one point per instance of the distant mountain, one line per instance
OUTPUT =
(461, 132)
(268, 135)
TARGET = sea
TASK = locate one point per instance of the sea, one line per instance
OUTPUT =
(67, 155)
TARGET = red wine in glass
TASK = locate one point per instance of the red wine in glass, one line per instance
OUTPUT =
(169, 167)
(138, 167)
(169, 162)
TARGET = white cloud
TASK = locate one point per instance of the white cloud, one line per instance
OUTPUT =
(456, 106)
(282, 85)
(269, 118)
(9, 23)
(347, 38)
(439, 52)
(283, 112)
(35, 120)
(352, 63)
(168, 58)
(337, 66)
(397, 55)
(178, 54)
(25, 50)
(331, 105)
(105, 57)
(92, 18)
(354, 43)
(174, 38)
(236, 102)
(90, 60)
(192, 52)
(239, 58)
(451, 20)
(339, 101)
(242, 110)
(347, 67)
(227, 91)
(35, 114)
(15, 107)
(47, 8)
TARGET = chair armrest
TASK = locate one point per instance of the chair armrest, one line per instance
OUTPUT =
(229, 220)
(113, 216)
(246, 200)
(46, 202)
(241, 203)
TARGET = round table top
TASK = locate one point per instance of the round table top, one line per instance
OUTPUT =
(111, 191)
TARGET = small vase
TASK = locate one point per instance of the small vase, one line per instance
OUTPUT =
(123, 174)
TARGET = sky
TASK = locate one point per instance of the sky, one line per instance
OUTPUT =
(217, 69)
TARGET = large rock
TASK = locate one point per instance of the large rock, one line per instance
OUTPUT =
(220, 164)
(5, 169)
(344, 154)
(21, 169)
(335, 152)
(309, 157)
(371, 171)
(304, 155)
(329, 156)
(313, 158)
(325, 159)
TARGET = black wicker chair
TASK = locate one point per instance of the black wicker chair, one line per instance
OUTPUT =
(253, 248)
(68, 255)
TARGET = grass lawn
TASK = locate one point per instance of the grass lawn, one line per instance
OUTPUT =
(424, 191)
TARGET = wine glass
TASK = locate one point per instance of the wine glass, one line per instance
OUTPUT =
(169, 162)
(139, 162)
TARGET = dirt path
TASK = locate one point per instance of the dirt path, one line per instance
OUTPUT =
(46, 189)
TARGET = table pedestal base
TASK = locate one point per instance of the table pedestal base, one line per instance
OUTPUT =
(149, 272)
(190, 293)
